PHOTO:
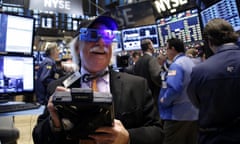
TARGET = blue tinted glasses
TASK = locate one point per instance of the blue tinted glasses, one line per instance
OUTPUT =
(93, 35)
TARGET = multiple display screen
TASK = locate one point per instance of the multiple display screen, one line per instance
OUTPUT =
(132, 37)
(16, 34)
(185, 25)
(225, 9)
(16, 74)
(16, 50)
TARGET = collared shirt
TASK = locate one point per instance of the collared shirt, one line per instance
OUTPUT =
(178, 55)
(219, 48)
(103, 84)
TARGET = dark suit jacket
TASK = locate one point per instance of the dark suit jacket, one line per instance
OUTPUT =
(133, 106)
(215, 89)
(147, 66)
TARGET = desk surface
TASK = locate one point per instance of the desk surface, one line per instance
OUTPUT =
(37, 111)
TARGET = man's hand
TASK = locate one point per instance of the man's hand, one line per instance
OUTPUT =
(111, 135)
(52, 110)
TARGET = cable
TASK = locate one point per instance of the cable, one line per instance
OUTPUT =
(97, 6)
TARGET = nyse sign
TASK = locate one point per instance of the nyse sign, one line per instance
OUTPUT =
(169, 5)
(60, 6)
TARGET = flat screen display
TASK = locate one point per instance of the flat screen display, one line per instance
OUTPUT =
(184, 25)
(132, 37)
(117, 41)
(225, 9)
(16, 34)
(16, 74)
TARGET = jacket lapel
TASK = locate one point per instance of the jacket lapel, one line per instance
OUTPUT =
(116, 88)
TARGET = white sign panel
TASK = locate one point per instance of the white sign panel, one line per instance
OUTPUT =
(59, 6)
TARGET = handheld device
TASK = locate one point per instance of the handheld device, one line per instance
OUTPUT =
(84, 111)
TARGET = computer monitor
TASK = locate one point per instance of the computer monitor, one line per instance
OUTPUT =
(117, 41)
(16, 75)
(184, 25)
(131, 37)
(16, 34)
(225, 9)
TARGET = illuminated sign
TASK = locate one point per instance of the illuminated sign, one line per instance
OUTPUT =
(60, 6)
(169, 5)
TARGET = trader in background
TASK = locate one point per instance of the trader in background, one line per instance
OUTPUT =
(148, 67)
(135, 57)
(46, 73)
(136, 118)
(215, 86)
(176, 110)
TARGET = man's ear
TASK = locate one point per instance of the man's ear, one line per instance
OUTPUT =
(172, 48)
(211, 46)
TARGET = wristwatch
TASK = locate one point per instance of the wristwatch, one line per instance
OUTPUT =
(53, 127)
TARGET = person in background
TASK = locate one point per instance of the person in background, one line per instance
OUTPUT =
(60, 68)
(162, 58)
(164, 62)
(194, 55)
(135, 57)
(191, 52)
(46, 73)
(215, 88)
(147, 66)
(136, 118)
(176, 110)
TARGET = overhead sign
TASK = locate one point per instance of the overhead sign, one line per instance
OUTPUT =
(167, 7)
(59, 6)
(134, 14)
(172, 5)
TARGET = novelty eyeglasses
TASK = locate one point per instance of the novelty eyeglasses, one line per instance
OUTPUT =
(93, 35)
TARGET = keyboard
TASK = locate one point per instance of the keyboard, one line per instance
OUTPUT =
(18, 107)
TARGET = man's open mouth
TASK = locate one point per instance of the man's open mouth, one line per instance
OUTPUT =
(97, 52)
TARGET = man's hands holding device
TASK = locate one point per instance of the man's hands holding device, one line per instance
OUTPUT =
(117, 134)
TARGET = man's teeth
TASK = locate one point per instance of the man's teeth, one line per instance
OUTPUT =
(98, 52)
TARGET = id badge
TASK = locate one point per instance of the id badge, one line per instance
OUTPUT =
(164, 84)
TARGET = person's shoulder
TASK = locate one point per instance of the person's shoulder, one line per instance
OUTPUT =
(202, 68)
(128, 77)
(48, 60)
(184, 60)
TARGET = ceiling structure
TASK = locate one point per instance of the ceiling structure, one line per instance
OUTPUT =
(91, 7)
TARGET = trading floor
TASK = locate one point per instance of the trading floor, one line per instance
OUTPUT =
(25, 124)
